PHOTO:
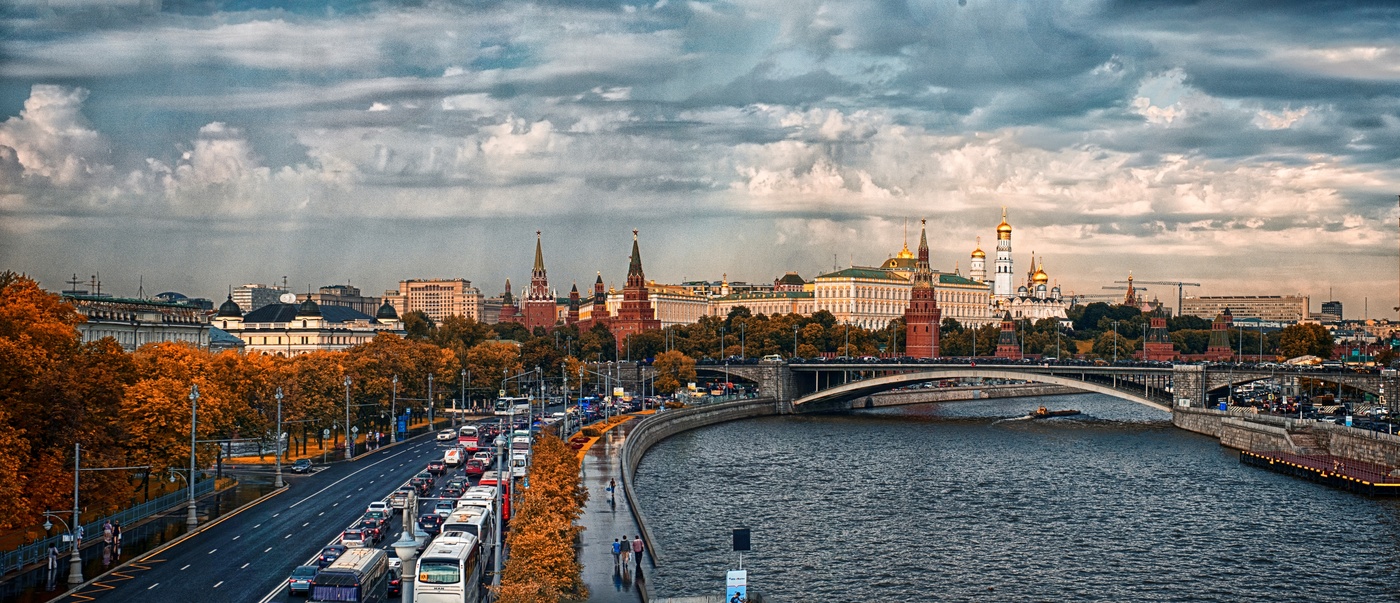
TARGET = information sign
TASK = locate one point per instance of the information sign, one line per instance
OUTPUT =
(736, 586)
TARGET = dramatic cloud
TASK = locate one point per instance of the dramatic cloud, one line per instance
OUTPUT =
(1252, 146)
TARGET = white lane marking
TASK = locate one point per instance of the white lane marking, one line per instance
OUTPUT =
(336, 505)
(286, 537)
(348, 495)
(152, 586)
(187, 566)
(276, 514)
(237, 537)
(257, 526)
(265, 551)
(347, 477)
(321, 513)
(211, 551)
(306, 524)
(216, 584)
(362, 488)
(245, 565)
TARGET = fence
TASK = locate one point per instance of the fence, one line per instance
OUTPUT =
(35, 552)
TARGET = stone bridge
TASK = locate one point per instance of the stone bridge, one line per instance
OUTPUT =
(819, 387)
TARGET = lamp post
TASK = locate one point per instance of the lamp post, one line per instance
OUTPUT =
(278, 442)
(794, 340)
(431, 426)
(741, 342)
(348, 443)
(464, 398)
(1115, 342)
(500, 476)
(191, 517)
(394, 410)
(75, 561)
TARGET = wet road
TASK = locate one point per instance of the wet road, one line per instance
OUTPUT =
(248, 556)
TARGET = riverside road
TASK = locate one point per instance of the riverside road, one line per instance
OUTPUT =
(249, 556)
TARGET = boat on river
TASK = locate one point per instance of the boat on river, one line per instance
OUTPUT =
(1045, 413)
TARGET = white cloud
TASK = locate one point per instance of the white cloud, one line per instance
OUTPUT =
(51, 138)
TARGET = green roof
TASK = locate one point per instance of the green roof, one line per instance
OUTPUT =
(877, 274)
(767, 295)
(953, 279)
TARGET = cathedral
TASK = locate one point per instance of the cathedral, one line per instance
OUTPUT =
(1035, 298)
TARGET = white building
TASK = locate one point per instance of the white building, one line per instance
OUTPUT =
(253, 296)
(136, 322)
(292, 329)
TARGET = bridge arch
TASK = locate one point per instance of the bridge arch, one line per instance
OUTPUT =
(833, 398)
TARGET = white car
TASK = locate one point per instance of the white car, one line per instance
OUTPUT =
(446, 434)
(444, 507)
(379, 505)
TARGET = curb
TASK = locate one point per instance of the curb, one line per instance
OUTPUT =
(162, 548)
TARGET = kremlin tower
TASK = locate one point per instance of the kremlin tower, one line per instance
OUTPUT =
(538, 306)
(636, 314)
(1002, 285)
(922, 318)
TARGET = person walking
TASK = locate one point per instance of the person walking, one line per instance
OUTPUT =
(637, 548)
(53, 556)
(626, 550)
(78, 537)
(117, 535)
(617, 552)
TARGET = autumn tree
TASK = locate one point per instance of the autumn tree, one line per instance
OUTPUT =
(543, 565)
(673, 370)
(492, 361)
(1305, 339)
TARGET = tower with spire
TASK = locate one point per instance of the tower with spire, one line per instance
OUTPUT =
(1002, 285)
(509, 311)
(539, 303)
(572, 317)
(1007, 345)
(636, 313)
(922, 317)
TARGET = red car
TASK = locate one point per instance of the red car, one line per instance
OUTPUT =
(475, 467)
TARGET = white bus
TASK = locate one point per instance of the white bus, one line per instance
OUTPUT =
(360, 575)
(450, 570)
(466, 437)
(506, 407)
(477, 520)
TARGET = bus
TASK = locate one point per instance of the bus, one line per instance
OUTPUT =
(360, 575)
(450, 570)
(467, 438)
(475, 518)
(508, 406)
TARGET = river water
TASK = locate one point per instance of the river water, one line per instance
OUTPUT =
(954, 502)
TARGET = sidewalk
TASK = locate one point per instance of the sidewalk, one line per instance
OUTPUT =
(606, 518)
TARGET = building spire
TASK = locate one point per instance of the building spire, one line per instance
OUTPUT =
(636, 266)
(539, 254)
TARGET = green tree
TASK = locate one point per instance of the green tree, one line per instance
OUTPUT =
(1305, 339)
(1105, 343)
(417, 325)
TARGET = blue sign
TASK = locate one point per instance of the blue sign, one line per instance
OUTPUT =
(1224, 406)
(403, 424)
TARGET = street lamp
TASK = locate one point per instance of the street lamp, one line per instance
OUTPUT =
(278, 443)
(431, 426)
(349, 444)
(741, 341)
(191, 517)
(1115, 342)
(794, 340)
(457, 414)
(75, 560)
(394, 410)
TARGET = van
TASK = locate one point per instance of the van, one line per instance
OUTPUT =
(772, 358)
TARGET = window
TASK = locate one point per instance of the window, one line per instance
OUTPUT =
(439, 572)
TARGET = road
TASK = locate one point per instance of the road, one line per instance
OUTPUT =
(251, 554)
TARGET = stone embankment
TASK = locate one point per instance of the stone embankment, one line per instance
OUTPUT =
(953, 394)
(1266, 433)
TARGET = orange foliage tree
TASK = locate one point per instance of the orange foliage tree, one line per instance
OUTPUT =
(543, 565)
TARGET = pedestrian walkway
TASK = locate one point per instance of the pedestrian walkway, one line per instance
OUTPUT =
(607, 517)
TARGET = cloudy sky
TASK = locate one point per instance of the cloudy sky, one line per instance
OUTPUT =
(1253, 147)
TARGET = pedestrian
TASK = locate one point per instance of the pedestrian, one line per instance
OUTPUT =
(117, 534)
(626, 550)
(637, 550)
(612, 489)
(53, 556)
(617, 552)
(78, 537)
(107, 532)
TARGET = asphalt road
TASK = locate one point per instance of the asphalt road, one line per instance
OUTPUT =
(250, 555)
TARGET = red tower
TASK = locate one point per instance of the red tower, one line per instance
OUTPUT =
(1219, 349)
(636, 314)
(538, 306)
(1006, 342)
(509, 313)
(573, 306)
(922, 317)
(1159, 344)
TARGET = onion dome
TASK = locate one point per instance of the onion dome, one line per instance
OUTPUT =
(1040, 277)
(1003, 229)
(386, 312)
(308, 309)
(229, 309)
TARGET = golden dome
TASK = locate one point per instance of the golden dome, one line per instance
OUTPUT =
(1040, 277)
(978, 253)
(1003, 229)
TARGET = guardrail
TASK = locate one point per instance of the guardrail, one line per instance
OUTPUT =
(35, 552)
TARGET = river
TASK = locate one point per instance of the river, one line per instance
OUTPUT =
(954, 501)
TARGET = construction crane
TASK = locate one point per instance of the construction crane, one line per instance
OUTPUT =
(1180, 289)
(1135, 288)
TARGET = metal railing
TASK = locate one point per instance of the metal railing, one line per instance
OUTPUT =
(35, 552)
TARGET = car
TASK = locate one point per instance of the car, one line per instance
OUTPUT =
(430, 523)
(373, 529)
(437, 467)
(476, 467)
(379, 517)
(399, 499)
(428, 476)
(485, 456)
(395, 583)
(772, 358)
(302, 579)
(353, 537)
(444, 507)
(451, 491)
(330, 554)
(378, 505)
(446, 435)
(423, 485)
(302, 466)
